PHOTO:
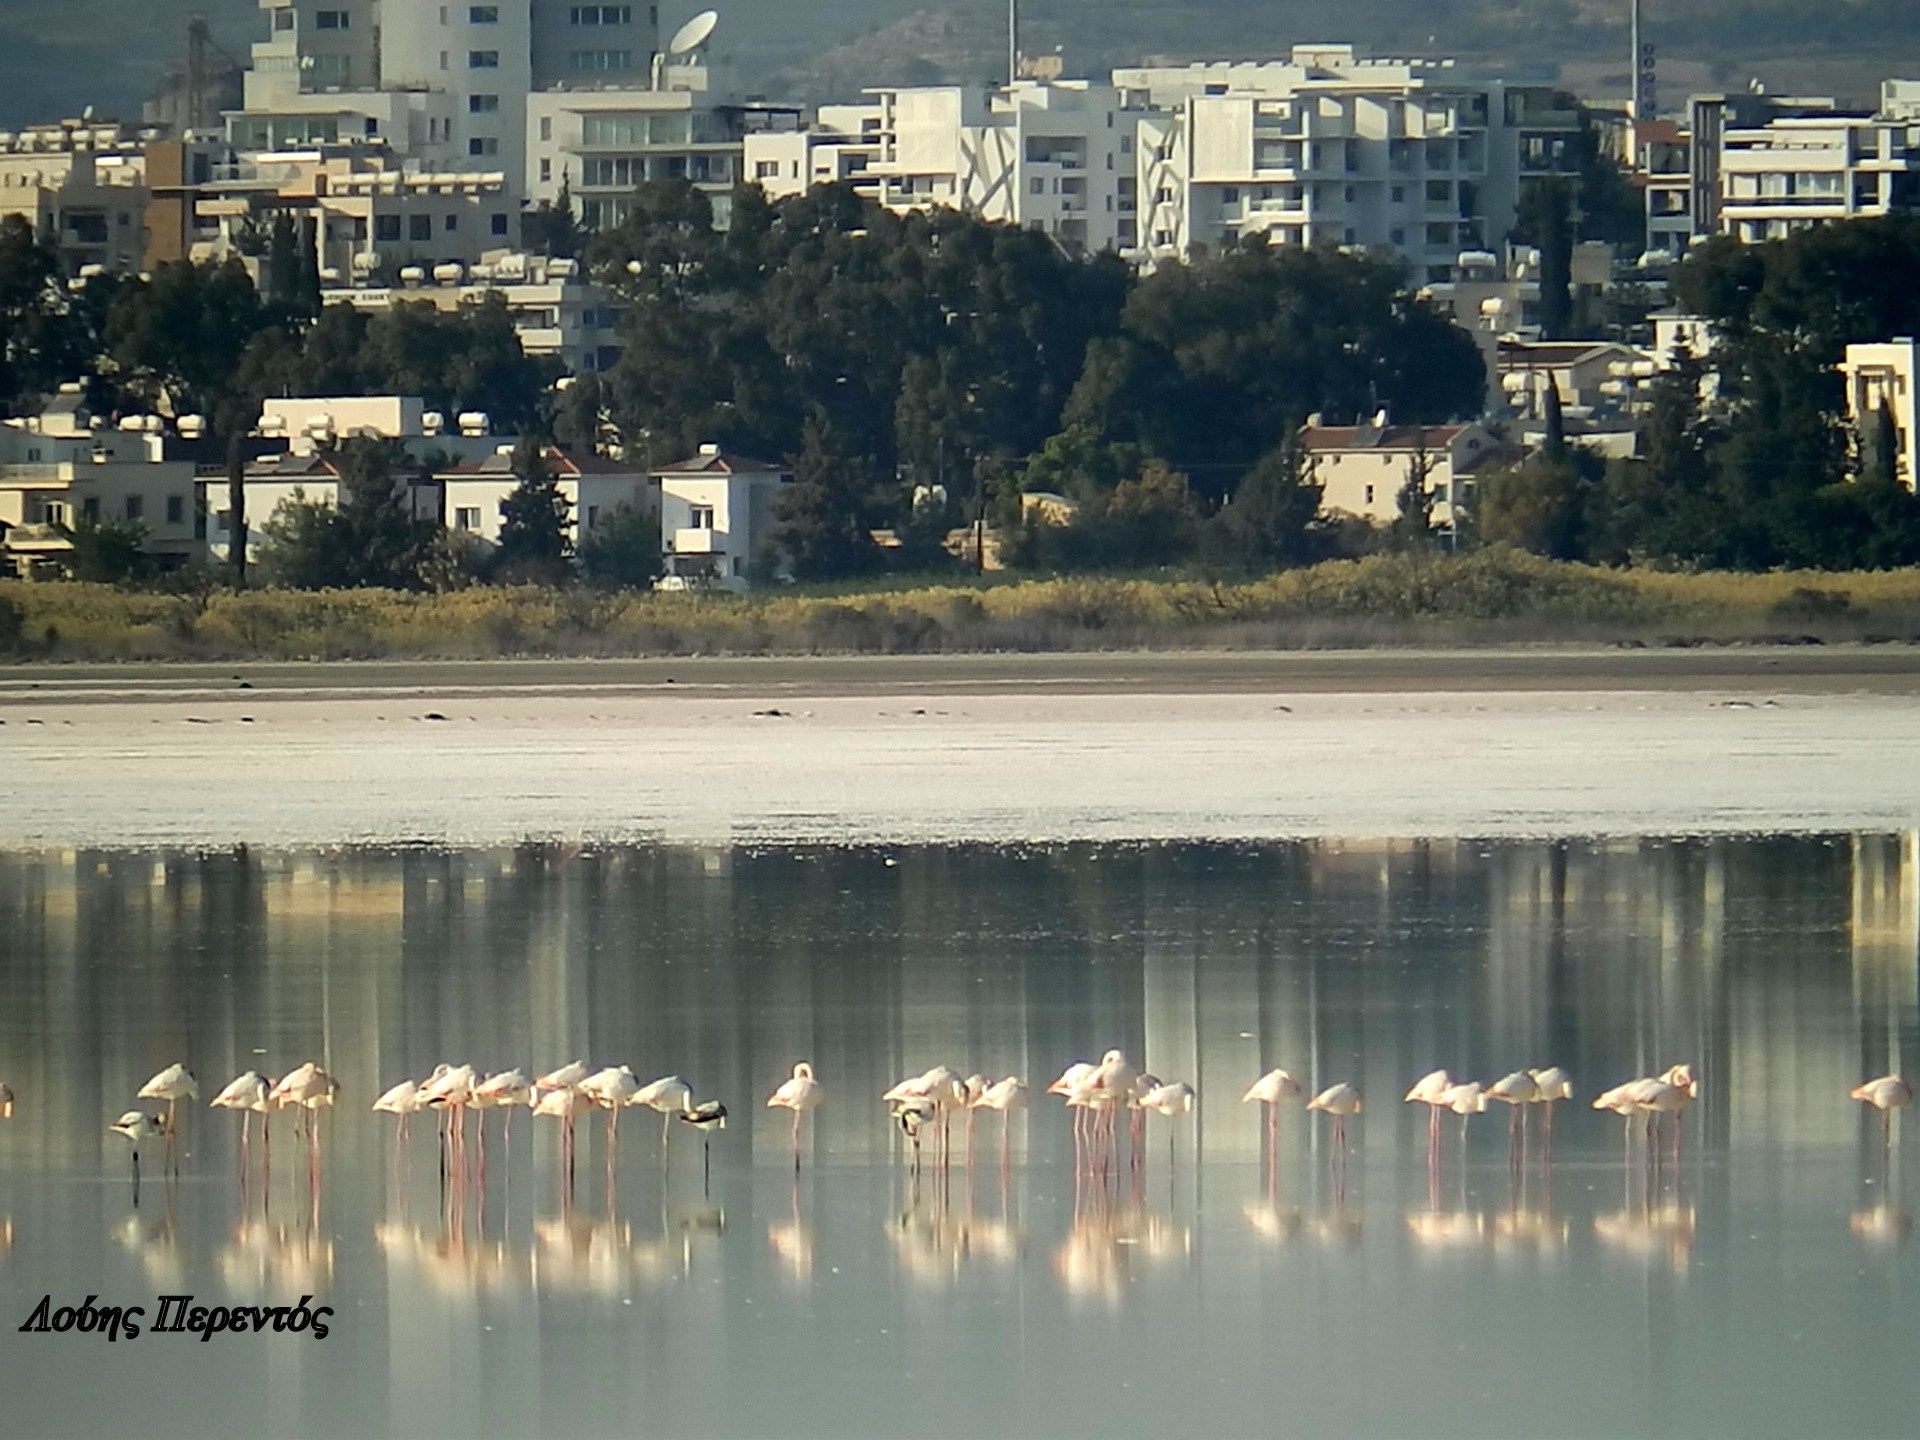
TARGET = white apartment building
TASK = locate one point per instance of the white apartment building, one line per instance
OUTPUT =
(715, 510)
(1411, 156)
(81, 185)
(1796, 171)
(1056, 156)
(600, 144)
(62, 467)
(1886, 374)
(556, 311)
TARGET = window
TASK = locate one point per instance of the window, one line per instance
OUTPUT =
(483, 104)
(330, 19)
(766, 169)
(700, 518)
(546, 127)
(176, 509)
(283, 19)
(1369, 496)
(602, 15)
(453, 222)
(1350, 194)
(599, 60)
(223, 520)
(1036, 187)
(546, 171)
(420, 227)
(1230, 195)
(483, 14)
(593, 516)
(1399, 194)
(136, 506)
(466, 517)
(483, 145)
(386, 227)
(500, 224)
(483, 59)
(89, 508)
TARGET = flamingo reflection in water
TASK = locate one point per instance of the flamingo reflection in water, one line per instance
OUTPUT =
(792, 1240)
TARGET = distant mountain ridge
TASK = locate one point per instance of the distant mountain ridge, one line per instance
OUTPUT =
(58, 56)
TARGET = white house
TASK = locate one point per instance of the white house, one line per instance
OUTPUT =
(1362, 468)
(1884, 374)
(715, 510)
(471, 494)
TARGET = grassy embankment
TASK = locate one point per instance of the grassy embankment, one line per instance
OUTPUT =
(1487, 598)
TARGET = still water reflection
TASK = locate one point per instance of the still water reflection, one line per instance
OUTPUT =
(1764, 1285)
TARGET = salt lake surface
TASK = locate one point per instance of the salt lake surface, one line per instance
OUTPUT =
(1765, 1285)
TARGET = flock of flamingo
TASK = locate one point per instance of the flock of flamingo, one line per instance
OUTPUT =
(1095, 1093)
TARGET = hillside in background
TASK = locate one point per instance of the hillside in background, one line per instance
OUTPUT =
(56, 58)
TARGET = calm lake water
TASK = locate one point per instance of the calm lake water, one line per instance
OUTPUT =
(1766, 1285)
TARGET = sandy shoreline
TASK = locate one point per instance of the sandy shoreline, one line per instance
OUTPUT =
(1801, 670)
(1120, 754)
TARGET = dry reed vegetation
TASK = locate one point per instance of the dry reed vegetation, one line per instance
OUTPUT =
(1492, 597)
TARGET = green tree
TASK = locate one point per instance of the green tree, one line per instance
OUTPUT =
(381, 541)
(622, 552)
(108, 552)
(1546, 222)
(1412, 527)
(820, 531)
(303, 546)
(1271, 520)
(533, 521)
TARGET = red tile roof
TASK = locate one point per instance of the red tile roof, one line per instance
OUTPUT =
(1369, 437)
(719, 462)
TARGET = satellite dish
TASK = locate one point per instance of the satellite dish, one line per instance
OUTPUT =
(693, 34)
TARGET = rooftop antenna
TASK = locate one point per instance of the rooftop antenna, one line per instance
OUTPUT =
(687, 39)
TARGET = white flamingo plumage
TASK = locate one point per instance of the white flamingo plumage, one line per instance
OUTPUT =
(173, 1084)
(1337, 1101)
(800, 1093)
(1886, 1094)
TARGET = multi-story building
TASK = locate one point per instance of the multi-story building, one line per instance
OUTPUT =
(370, 215)
(556, 310)
(598, 145)
(1796, 171)
(1884, 376)
(1056, 156)
(82, 185)
(1362, 469)
(1412, 156)
(62, 467)
(715, 512)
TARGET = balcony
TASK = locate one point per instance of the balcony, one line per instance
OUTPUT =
(699, 540)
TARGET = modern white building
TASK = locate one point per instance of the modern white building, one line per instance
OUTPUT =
(1885, 374)
(599, 145)
(1055, 156)
(715, 512)
(1796, 171)
(1416, 157)
(61, 467)
(471, 493)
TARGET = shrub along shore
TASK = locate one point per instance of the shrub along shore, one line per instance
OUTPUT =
(1489, 597)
